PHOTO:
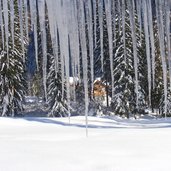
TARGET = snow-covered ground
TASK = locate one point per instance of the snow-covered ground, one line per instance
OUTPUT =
(114, 144)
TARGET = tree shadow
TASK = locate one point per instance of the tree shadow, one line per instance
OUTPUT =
(55, 122)
(113, 123)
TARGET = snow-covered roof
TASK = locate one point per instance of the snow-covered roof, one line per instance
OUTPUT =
(73, 79)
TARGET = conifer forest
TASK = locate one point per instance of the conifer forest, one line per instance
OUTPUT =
(84, 57)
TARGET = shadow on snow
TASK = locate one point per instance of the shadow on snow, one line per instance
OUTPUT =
(144, 124)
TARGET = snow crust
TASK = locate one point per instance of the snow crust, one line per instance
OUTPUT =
(113, 144)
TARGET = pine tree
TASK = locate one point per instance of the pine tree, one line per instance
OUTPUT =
(12, 71)
(158, 101)
(158, 89)
(56, 100)
(124, 101)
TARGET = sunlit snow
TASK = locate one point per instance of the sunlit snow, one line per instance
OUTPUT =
(113, 144)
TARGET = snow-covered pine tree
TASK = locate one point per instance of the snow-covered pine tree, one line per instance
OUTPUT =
(56, 101)
(142, 73)
(12, 67)
(56, 88)
(157, 91)
(158, 102)
(124, 101)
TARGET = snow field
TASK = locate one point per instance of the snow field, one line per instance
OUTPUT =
(113, 145)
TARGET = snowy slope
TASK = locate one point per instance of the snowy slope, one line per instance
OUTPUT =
(114, 144)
